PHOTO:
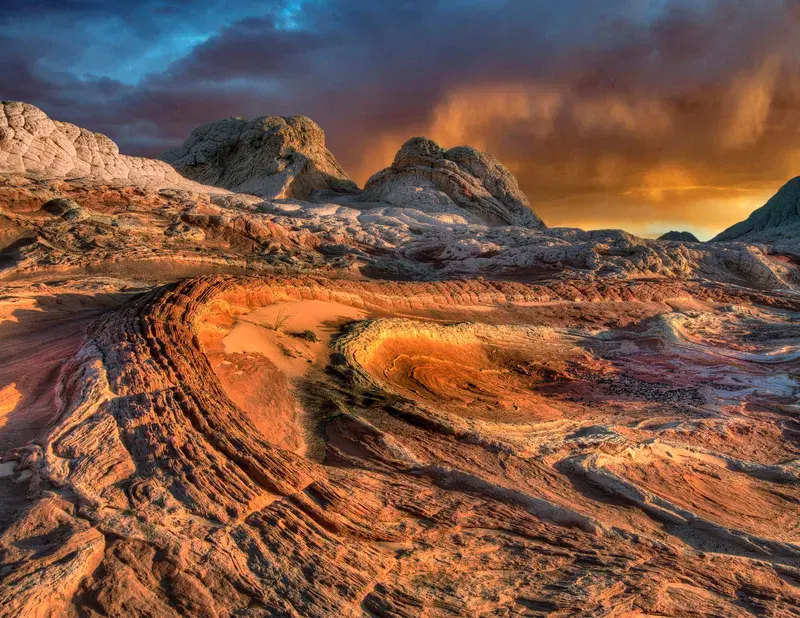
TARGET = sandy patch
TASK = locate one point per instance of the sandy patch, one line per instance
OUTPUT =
(272, 332)
(9, 398)
(260, 358)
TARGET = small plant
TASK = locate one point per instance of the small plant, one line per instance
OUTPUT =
(149, 531)
(308, 335)
(287, 351)
(278, 321)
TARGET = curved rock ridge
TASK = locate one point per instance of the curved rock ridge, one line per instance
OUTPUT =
(776, 222)
(151, 479)
(424, 175)
(32, 144)
(268, 156)
(680, 236)
(211, 405)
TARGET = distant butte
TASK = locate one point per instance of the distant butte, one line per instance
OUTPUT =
(681, 236)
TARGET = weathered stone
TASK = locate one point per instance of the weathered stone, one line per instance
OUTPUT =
(423, 174)
(776, 223)
(272, 157)
(33, 144)
(680, 236)
(211, 406)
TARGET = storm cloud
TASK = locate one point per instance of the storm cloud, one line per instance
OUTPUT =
(645, 115)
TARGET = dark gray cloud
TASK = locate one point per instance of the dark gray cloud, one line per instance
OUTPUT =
(622, 112)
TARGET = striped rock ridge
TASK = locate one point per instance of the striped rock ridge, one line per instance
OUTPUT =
(413, 485)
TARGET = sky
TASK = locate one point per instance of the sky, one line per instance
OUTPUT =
(645, 115)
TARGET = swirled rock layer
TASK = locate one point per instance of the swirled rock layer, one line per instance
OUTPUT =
(573, 465)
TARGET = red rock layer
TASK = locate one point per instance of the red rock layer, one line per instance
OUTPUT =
(154, 494)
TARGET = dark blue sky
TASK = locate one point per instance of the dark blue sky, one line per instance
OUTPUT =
(643, 114)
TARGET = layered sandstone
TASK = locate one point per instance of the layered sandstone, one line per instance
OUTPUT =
(413, 401)
(157, 482)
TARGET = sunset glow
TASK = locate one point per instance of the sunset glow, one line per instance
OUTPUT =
(642, 115)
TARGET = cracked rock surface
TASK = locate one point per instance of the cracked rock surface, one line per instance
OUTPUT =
(33, 144)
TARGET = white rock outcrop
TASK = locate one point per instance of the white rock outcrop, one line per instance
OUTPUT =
(32, 144)
(425, 176)
(272, 157)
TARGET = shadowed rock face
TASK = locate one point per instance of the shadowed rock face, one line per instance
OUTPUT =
(425, 174)
(777, 222)
(269, 156)
(217, 405)
(681, 236)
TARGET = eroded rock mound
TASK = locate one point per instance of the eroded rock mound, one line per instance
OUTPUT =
(32, 144)
(269, 156)
(425, 175)
(776, 222)
(679, 236)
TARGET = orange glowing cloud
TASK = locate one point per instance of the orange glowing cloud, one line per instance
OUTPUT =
(748, 104)
(613, 115)
(700, 162)
(484, 111)
(689, 125)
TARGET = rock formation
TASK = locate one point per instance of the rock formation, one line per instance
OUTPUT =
(776, 223)
(154, 480)
(33, 145)
(272, 157)
(425, 175)
(218, 405)
(680, 236)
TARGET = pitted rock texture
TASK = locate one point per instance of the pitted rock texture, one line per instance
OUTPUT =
(269, 156)
(424, 174)
(33, 144)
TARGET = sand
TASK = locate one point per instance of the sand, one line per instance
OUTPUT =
(254, 332)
